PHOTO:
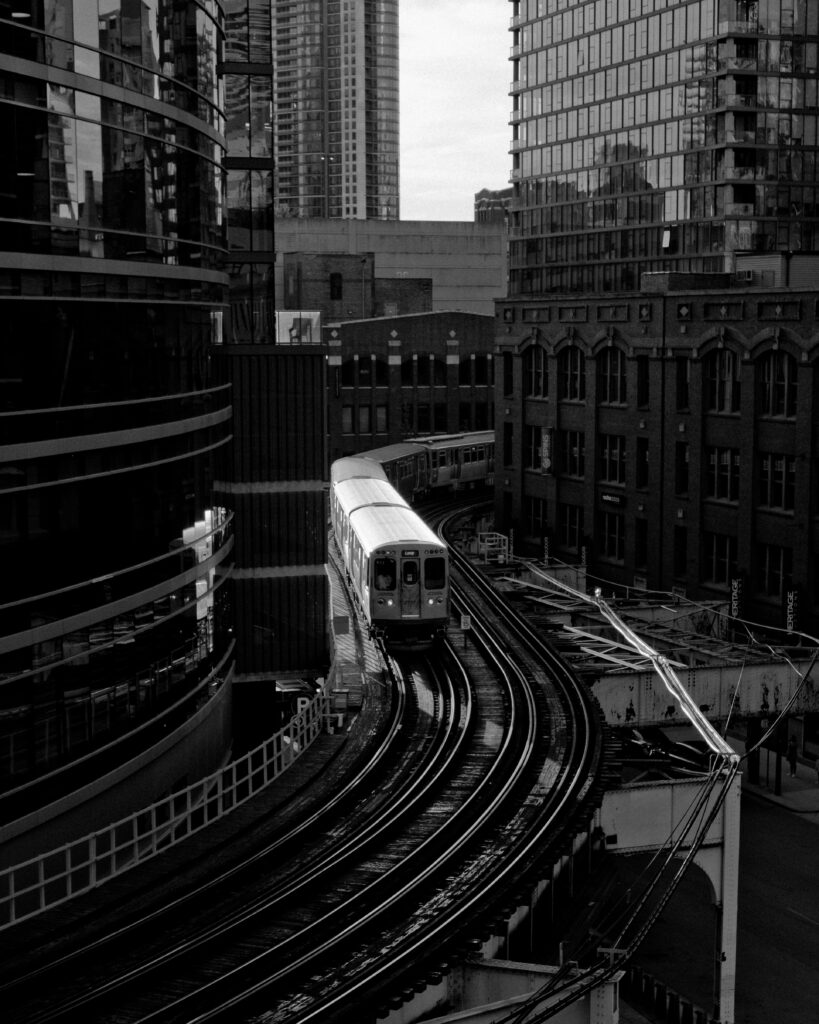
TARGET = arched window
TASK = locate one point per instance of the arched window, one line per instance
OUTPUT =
(571, 374)
(535, 372)
(722, 381)
(776, 385)
(611, 377)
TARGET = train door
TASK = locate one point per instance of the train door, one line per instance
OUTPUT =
(410, 585)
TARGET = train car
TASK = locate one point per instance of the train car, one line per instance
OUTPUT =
(441, 462)
(397, 566)
(406, 465)
(461, 460)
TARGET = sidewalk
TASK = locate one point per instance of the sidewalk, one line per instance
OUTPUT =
(800, 794)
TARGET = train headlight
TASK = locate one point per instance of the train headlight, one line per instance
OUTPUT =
(431, 600)
(389, 602)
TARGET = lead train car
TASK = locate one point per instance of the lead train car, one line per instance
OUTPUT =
(398, 567)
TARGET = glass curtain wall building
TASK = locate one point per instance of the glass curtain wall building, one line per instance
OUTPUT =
(113, 623)
(659, 135)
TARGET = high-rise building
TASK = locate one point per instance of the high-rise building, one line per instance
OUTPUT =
(115, 641)
(657, 392)
(335, 108)
(659, 135)
(313, 86)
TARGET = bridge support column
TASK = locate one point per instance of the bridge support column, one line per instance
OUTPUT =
(721, 864)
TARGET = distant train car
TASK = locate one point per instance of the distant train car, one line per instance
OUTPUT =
(397, 566)
(461, 460)
(437, 463)
(406, 465)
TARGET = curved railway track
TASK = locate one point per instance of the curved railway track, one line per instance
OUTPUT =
(489, 765)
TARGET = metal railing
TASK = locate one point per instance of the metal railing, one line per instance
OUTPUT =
(52, 878)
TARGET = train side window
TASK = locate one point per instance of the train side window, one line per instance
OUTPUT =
(384, 569)
(434, 573)
(410, 573)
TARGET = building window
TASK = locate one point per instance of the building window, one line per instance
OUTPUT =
(533, 450)
(681, 468)
(722, 381)
(722, 474)
(612, 459)
(508, 373)
(535, 372)
(571, 374)
(535, 516)
(407, 376)
(382, 372)
(774, 570)
(641, 465)
(571, 452)
(680, 552)
(642, 381)
(364, 419)
(424, 371)
(439, 417)
(438, 371)
(611, 377)
(640, 543)
(422, 413)
(776, 376)
(508, 444)
(777, 481)
(381, 419)
(483, 368)
(570, 527)
(336, 290)
(683, 366)
(465, 371)
(464, 416)
(348, 373)
(365, 371)
(719, 558)
(347, 419)
(611, 535)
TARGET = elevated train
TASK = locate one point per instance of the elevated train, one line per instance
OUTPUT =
(442, 462)
(397, 566)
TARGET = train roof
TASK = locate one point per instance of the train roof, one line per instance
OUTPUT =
(355, 467)
(359, 491)
(459, 440)
(392, 451)
(380, 525)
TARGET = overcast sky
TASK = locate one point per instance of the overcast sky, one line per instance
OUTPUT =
(455, 103)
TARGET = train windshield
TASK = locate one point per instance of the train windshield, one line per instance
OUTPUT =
(384, 570)
(410, 572)
(434, 573)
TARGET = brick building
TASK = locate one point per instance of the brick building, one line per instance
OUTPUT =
(669, 438)
(395, 377)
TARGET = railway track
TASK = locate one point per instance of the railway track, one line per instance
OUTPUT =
(488, 765)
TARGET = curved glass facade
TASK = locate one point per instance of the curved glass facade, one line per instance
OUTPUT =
(660, 135)
(103, 155)
(112, 425)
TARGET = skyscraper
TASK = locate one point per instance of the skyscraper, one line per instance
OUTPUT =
(659, 135)
(313, 84)
(115, 640)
